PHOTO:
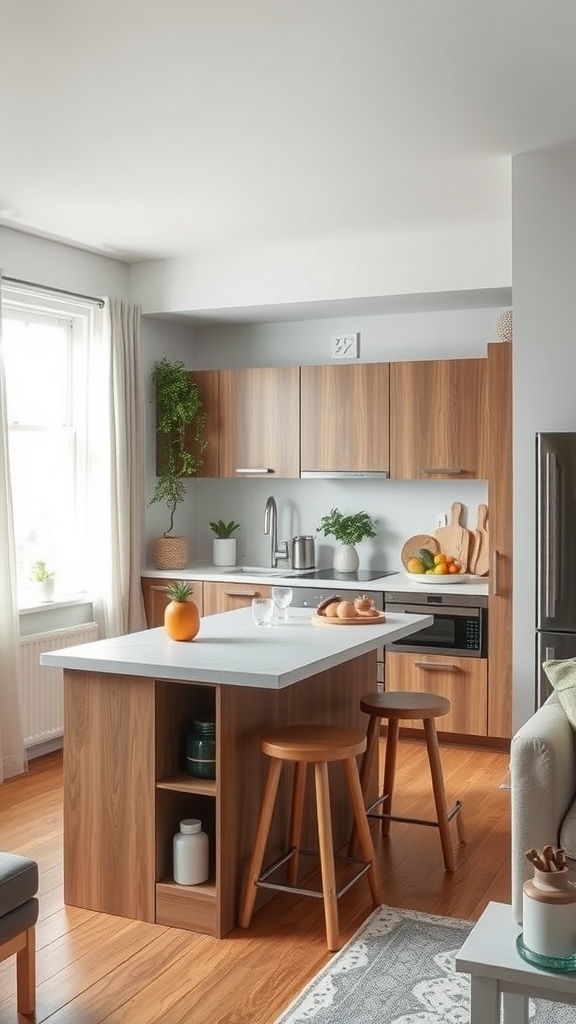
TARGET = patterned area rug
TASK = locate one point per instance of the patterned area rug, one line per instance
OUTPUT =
(399, 969)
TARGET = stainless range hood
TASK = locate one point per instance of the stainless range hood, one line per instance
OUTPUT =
(342, 474)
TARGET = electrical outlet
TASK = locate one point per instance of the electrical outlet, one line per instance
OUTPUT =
(441, 519)
(345, 346)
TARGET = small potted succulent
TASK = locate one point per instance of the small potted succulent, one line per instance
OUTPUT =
(349, 530)
(43, 580)
(224, 544)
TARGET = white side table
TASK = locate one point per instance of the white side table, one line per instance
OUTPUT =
(500, 978)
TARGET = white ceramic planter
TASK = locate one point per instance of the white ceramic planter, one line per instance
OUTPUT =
(346, 558)
(224, 551)
(44, 590)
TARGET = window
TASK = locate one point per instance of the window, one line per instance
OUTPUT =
(45, 356)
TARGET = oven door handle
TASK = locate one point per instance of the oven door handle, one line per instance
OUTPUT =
(410, 609)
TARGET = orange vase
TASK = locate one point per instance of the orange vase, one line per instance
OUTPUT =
(182, 620)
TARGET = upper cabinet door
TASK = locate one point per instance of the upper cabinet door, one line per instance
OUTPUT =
(438, 411)
(260, 422)
(344, 418)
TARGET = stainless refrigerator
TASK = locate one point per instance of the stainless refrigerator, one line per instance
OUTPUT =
(555, 553)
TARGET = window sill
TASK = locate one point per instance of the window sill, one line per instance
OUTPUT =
(70, 601)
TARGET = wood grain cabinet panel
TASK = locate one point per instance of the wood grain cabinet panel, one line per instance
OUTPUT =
(155, 598)
(225, 597)
(260, 422)
(500, 534)
(464, 681)
(345, 418)
(438, 417)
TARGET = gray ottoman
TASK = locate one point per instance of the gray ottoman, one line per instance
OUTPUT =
(18, 916)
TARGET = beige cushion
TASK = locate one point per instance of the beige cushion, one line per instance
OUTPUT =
(562, 675)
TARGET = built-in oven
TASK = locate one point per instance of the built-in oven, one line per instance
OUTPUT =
(460, 625)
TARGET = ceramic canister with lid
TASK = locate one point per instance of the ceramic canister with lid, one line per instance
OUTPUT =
(190, 853)
(549, 914)
(201, 749)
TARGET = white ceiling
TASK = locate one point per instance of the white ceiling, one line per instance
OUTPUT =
(152, 130)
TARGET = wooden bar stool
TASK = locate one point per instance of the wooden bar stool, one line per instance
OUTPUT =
(317, 745)
(395, 705)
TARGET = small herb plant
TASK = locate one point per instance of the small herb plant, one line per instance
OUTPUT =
(347, 529)
(41, 573)
(224, 530)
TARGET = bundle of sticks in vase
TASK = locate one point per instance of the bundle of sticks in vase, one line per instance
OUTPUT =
(547, 859)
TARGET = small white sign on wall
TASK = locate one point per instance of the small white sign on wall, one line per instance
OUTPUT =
(345, 346)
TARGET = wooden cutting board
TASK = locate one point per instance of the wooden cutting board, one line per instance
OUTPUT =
(413, 544)
(358, 620)
(454, 539)
(480, 560)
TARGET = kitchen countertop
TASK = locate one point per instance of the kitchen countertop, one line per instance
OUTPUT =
(230, 649)
(398, 581)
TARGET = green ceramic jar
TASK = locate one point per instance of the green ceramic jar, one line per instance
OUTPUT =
(201, 749)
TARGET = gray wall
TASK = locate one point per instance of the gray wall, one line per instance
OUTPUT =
(544, 289)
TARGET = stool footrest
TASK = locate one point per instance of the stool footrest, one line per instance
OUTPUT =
(363, 867)
(370, 813)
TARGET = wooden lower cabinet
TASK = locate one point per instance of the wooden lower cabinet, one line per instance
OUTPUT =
(225, 597)
(156, 599)
(464, 681)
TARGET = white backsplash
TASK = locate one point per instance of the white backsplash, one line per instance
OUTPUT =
(401, 508)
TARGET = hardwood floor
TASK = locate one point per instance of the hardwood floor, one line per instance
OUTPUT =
(93, 968)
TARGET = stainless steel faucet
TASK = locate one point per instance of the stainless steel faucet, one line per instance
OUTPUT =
(271, 527)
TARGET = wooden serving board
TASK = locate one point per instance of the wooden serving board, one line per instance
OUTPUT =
(481, 562)
(360, 620)
(455, 539)
(413, 544)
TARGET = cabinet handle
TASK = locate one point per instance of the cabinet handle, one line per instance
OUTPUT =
(493, 585)
(253, 469)
(159, 590)
(435, 668)
(454, 470)
(241, 593)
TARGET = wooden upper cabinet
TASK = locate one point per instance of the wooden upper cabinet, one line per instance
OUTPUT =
(208, 387)
(344, 418)
(260, 422)
(438, 413)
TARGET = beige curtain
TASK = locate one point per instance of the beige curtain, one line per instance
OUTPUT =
(12, 750)
(115, 403)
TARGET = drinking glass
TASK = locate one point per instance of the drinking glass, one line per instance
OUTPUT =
(262, 610)
(282, 597)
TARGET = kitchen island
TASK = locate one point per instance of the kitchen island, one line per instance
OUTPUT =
(129, 703)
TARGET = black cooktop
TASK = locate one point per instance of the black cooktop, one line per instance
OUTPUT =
(361, 575)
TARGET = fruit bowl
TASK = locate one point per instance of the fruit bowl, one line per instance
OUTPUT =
(431, 580)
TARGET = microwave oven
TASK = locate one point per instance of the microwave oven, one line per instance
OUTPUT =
(460, 625)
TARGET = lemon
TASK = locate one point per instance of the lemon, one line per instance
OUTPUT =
(414, 565)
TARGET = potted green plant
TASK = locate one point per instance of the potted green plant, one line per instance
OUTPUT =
(179, 427)
(43, 579)
(224, 544)
(349, 530)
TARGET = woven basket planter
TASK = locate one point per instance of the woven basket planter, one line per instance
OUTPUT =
(170, 552)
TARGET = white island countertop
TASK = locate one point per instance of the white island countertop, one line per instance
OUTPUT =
(230, 649)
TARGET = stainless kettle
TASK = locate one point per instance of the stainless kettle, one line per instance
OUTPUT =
(303, 552)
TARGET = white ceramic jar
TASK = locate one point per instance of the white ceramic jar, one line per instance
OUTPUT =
(190, 852)
(549, 914)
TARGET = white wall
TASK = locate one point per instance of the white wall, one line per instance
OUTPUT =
(446, 260)
(61, 266)
(401, 507)
(544, 286)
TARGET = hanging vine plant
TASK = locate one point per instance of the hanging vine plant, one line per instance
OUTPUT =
(180, 423)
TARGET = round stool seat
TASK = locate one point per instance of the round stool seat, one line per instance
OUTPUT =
(404, 704)
(311, 743)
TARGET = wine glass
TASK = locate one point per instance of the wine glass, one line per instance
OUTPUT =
(282, 597)
(262, 610)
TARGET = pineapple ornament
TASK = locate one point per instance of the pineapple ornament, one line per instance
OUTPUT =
(181, 616)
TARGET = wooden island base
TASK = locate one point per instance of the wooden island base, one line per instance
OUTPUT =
(126, 788)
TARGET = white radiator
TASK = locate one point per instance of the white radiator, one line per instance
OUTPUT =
(42, 684)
